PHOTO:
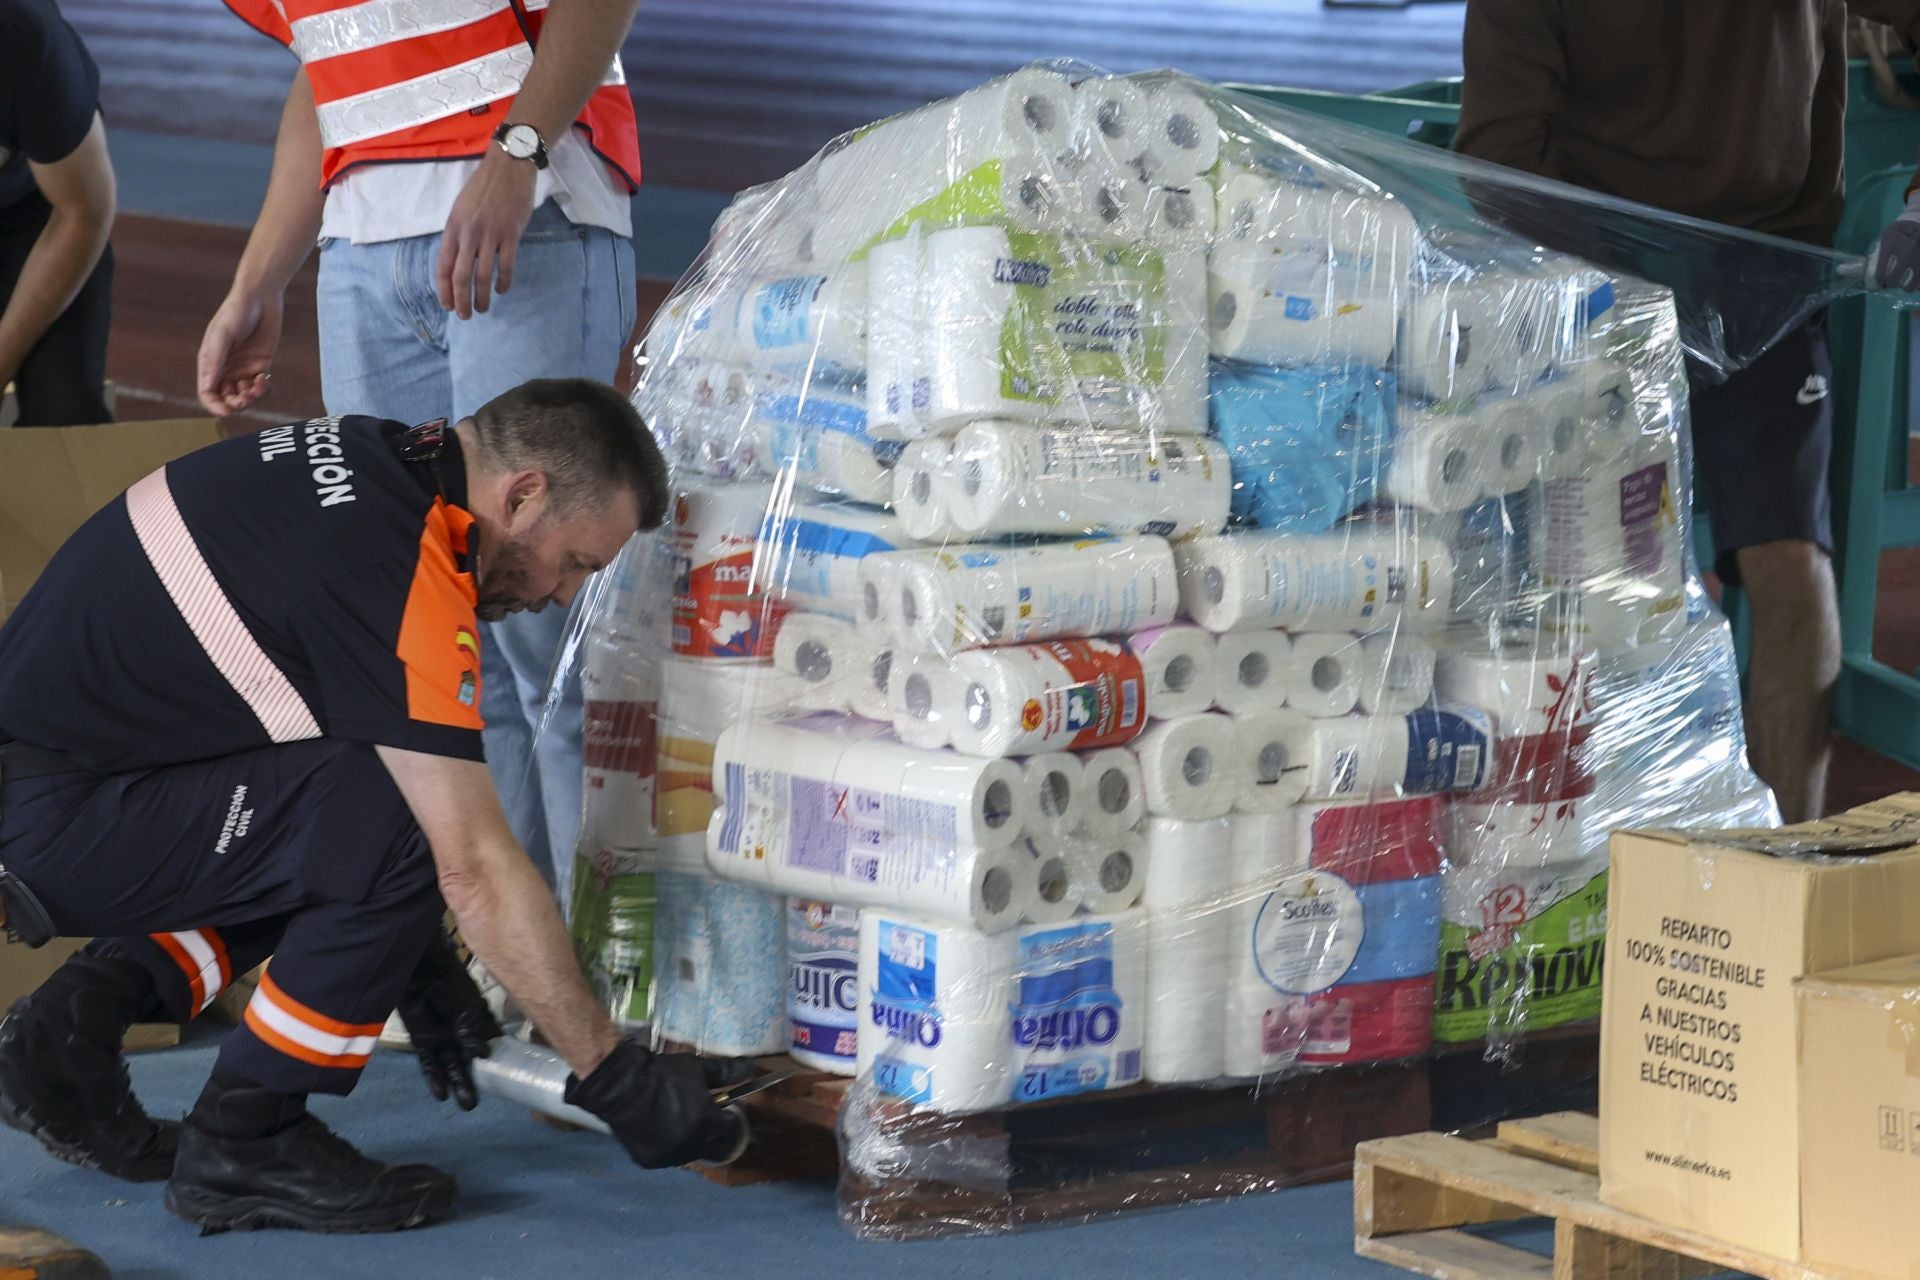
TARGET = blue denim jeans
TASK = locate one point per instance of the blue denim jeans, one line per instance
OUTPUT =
(388, 349)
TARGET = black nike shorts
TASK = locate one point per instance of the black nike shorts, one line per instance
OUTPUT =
(1761, 444)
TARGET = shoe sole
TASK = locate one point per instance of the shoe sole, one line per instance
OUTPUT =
(22, 1120)
(217, 1213)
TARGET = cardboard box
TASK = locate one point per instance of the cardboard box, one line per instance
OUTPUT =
(1860, 1119)
(53, 478)
(1699, 1076)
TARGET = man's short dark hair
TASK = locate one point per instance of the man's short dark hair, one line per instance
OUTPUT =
(584, 435)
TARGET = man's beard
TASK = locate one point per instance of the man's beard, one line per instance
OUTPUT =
(502, 588)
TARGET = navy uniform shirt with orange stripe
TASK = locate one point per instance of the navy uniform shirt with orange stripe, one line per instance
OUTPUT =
(307, 581)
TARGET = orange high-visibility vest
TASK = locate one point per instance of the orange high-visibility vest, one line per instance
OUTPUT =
(428, 79)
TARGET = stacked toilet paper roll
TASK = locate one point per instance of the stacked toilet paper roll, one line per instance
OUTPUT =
(1608, 420)
(810, 553)
(839, 809)
(1007, 478)
(1263, 1026)
(1108, 126)
(720, 609)
(1056, 783)
(1182, 214)
(1116, 792)
(926, 698)
(823, 1001)
(1530, 685)
(1426, 752)
(1189, 870)
(1108, 205)
(1366, 579)
(1056, 696)
(1321, 209)
(1079, 1006)
(698, 700)
(964, 599)
(933, 1012)
(1053, 897)
(1561, 408)
(1252, 671)
(1442, 462)
(829, 656)
(1182, 136)
(1516, 431)
(1189, 766)
(1324, 674)
(1397, 673)
(1296, 303)
(871, 694)
(720, 966)
(1178, 662)
(919, 500)
(1104, 873)
(819, 433)
(1274, 753)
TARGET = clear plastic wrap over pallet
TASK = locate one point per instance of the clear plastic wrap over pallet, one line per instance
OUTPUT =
(1199, 592)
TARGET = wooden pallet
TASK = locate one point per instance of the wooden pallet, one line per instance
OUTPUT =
(1412, 1194)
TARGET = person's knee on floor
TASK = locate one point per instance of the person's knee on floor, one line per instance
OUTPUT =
(1795, 662)
(62, 1078)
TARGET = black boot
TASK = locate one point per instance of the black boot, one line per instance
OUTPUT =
(62, 1079)
(250, 1158)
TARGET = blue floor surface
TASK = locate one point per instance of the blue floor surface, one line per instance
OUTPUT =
(538, 1202)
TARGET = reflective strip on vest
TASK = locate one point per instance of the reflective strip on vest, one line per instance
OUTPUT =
(424, 99)
(378, 22)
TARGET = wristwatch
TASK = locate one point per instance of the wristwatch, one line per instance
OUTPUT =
(522, 142)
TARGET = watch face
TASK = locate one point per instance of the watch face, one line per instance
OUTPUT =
(521, 142)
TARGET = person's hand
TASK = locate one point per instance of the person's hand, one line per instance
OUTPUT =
(1895, 260)
(448, 1021)
(660, 1105)
(236, 353)
(483, 233)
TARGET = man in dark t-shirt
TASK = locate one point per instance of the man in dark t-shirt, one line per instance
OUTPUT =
(56, 211)
(1733, 111)
(239, 718)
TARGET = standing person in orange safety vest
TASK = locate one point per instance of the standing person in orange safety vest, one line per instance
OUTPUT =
(466, 168)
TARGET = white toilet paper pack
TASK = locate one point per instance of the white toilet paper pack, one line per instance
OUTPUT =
(1363, 579)
(823, 957)
(1064, 695)
(1009, 478)
(1079, 1014)
(965, 598)
(809, 554)
(933, 1012)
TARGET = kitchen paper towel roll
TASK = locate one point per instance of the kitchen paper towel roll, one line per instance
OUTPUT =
(918, 497)
(1363, 579)
(896, 386)
(820, 434)
(971, 279)
(1116, 793)
(1061, 695)
(1252, 671)
(1397, 673)
(926, 698)
(827, 654)
(1325, 674)
(1053, 897)
(810, 553)
(1442, 462)
(1517, 441)
(1109, 125)
(1107, 874)
(1189, 871)
(933, 1012)
(1525, 686)
(1516, 836)
(1444, 352)
(1182, 136)
(1274, 750)
(1079, 1005)
(1188, 766)
(720, 610)
(823, 1001)
(1429, 751)
(1293, 303)
(1056, 784)
(1012, 478)
(720, 972)
(1179, 665)
(964, 599)
(812, 320)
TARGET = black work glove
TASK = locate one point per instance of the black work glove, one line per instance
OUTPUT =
(660, 1105)
(449, 1022)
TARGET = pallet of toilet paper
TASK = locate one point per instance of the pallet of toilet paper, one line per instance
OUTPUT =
(1146, 604)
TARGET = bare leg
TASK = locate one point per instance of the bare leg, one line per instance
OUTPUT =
(1796, 659)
